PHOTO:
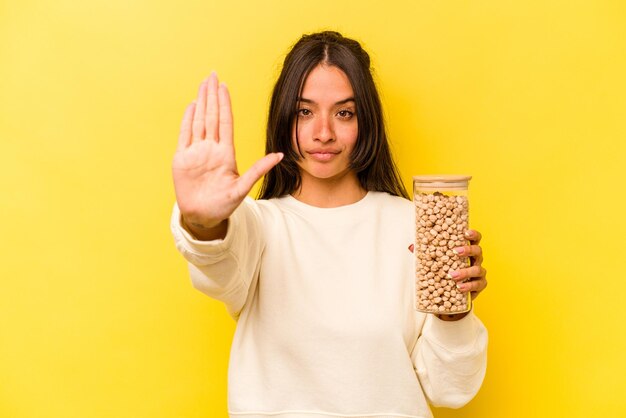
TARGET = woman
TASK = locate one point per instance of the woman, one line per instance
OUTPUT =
(316, 272)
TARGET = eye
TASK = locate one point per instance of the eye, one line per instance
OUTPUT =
(304, 112)
(345, 114)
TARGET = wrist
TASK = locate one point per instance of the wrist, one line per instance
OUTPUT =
(452, 318)
(205, 232)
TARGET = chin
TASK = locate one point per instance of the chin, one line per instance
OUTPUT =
(326, 173)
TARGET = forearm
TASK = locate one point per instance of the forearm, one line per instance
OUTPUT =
(450, 360)
(222, 268)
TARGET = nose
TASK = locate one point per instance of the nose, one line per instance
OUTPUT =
(323, 129)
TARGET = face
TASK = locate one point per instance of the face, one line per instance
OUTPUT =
(327, 125)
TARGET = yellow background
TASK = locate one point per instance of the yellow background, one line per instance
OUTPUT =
(97, 314)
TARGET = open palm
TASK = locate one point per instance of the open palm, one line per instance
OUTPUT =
(206, 181)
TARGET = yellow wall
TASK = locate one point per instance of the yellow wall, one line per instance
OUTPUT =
(97, 315)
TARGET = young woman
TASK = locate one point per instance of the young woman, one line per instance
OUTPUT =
(316, 272)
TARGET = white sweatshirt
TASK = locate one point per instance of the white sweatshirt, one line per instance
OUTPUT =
(326, 327)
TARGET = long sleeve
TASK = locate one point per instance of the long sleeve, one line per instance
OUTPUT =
(450, 359)
(224, 269)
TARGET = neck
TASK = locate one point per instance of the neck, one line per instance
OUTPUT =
(330, 193)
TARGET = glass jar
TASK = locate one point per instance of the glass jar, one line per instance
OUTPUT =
(441, 219)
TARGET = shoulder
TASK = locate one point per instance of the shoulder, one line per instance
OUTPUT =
(266, 209)
(391, 203)
(275, 203)
(394, 210)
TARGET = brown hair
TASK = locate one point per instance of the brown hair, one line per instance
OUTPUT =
(371, 158)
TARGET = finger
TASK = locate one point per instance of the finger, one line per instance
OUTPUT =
(467, 273)
(184, 137)
(469, 251)
(212, 109)
(258, 170)
(198, 115)
(473, 235)
(473, 286)
(225, 116)
(476, 261)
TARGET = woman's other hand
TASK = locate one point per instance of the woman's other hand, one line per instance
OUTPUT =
(473, 278)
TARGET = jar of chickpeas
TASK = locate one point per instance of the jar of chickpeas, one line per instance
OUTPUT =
(441, 220)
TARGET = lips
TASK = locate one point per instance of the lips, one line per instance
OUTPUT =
(323, 154)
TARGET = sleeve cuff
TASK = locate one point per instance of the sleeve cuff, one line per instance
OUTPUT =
(203, 247)
(453, 335)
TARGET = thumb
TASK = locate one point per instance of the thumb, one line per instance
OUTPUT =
(258, 170)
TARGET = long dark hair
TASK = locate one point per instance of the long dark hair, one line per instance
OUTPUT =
(371, 158)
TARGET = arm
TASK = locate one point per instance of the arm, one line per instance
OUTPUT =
(224, 269)
(206, 179)
(211, 226)
(450, 359)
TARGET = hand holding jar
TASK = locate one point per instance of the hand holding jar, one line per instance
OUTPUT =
(449, 272)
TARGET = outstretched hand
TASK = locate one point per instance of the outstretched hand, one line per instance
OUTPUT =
(206, 180)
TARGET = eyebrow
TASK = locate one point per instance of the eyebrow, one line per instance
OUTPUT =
(340, 102)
